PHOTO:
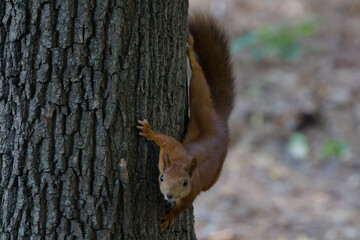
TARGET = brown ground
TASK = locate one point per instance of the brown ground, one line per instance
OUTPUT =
(265, 192)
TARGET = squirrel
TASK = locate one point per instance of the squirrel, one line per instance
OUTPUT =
(194, 165)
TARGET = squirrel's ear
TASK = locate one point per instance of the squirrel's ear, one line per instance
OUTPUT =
(166, 160)
(191, 165)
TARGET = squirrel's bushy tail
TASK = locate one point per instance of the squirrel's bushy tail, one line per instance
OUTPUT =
(211, 48)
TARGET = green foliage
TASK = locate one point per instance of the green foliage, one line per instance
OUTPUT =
(334, 148)
(298, 146)
(281, 41)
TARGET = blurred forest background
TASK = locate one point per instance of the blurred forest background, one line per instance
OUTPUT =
(293, 167)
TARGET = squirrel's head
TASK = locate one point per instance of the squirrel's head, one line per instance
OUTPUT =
(175, 177)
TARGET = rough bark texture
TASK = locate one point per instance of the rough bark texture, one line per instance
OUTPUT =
(74, 78)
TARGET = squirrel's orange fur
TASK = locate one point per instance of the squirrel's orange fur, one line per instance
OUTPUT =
(194, 165)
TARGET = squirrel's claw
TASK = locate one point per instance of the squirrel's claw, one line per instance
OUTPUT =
(168, 221)
(144, 127)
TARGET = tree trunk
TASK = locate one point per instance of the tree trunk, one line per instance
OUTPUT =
(74, 78)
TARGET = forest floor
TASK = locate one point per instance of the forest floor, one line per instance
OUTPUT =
(293, 167)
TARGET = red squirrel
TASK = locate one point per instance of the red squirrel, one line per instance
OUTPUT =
(194, 165)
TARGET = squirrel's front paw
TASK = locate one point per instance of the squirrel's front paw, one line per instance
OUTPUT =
(168, 221)
(145, 127)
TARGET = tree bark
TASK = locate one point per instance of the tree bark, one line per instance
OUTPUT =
(75, 75)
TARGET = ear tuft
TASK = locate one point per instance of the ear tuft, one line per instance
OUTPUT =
(192, 165)
(166, 160)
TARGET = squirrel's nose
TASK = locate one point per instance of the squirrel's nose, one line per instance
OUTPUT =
(169, 196)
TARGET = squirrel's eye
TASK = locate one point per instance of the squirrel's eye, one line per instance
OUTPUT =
(162, 178)
(185, 183)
